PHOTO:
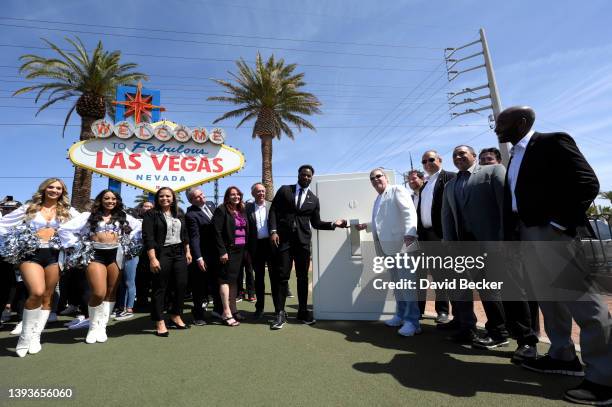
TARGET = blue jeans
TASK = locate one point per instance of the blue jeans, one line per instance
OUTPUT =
(406, 301)
(408, 311)
(127, 288)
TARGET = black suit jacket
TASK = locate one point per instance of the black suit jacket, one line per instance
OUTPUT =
(436, 205)
(292, 223)
(154, 230)
(201, 232)
(555, 183)
(225, 230)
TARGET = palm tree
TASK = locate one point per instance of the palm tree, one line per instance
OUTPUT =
(141, 198)
(93, 78)
(270, 93)
(606, 195)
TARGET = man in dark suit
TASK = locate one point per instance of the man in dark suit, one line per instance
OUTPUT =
(201, 244)
(549, 187)
(472, 212)
(259, 245)
(294, 209)
(429, 221)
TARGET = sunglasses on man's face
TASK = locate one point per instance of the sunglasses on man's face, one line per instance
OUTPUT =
(375, 177)
(428, 160)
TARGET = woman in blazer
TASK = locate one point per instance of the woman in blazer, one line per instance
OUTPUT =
(166, 242)
(231, 234)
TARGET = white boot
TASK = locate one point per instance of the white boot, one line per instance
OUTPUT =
(30, 322)
(17, 329)
(35, 346)
(108, 308)
(95, 313)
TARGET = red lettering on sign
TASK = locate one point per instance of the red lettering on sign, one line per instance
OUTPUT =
(157, 163)
(99, 163)
(217, 164)
(174, 162)
(204, 165)
(103, 128)
(188, 164)
(118, 161)
(134, 160)
(123, 130)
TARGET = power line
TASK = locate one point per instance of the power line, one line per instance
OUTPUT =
(378, 45)
(370, 139)
(224, 44)
(326, 108)
(153, 75)
(152, 85)
(218, 88)
(227, 60)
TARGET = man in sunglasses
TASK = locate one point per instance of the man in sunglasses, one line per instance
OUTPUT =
(429, 227)
(394, 227)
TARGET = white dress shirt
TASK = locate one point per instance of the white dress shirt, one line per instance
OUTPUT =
(297, 193)
(427, 199)
(261, 219)
(517, 153)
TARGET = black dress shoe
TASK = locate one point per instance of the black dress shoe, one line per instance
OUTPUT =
(490, 343)
(174, 325)
(258, 314)
(464, 337)
(591, 393)
(305, 317)
(546, 364)
(162, 334)
(442, 318)
(199, 322)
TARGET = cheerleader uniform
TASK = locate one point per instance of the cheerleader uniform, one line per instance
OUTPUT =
(103, 253)
(47, 254)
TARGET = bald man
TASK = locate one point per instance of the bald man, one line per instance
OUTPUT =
(549, 187)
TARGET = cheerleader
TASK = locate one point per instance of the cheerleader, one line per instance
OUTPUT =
(43, 214)
(106, 228)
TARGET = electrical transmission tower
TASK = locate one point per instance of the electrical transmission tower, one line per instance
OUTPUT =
(452, 63)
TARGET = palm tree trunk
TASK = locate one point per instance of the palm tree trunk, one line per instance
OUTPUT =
(81, 185)
(266, 166)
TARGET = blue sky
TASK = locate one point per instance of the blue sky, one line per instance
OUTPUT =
(377, 67)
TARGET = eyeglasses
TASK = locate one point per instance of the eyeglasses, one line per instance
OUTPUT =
(377, 176)
(429, 160)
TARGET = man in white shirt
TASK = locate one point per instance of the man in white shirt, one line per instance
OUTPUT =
(394, 226)
(259, 244)
(416, 180)
(549, 188)
(429, 210)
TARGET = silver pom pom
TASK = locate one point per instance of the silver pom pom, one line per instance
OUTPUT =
(55, 242)
(18, 243)
(80, 255)
(131, 247)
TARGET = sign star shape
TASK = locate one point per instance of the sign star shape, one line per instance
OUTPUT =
(138, 105)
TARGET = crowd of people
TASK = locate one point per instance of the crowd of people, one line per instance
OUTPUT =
(208, 251)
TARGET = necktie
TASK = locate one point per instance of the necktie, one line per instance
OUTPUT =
(207, 211)
(299, 200)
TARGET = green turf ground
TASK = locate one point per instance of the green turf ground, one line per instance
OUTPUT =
(327, 364)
